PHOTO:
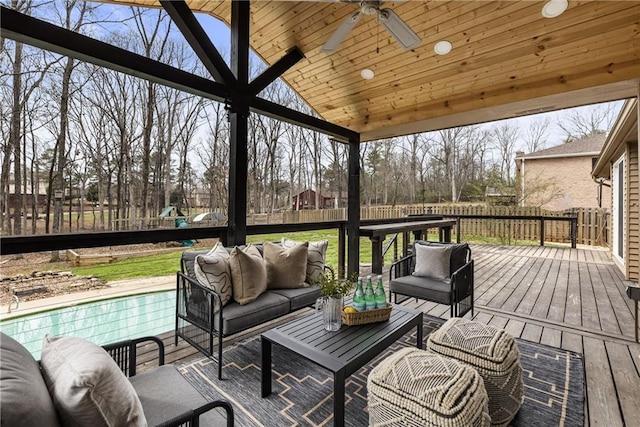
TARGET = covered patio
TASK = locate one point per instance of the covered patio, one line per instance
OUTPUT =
(507, 61)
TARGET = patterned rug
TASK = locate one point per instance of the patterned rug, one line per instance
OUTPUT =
(303, 392)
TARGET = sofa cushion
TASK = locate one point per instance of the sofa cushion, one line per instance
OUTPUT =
(165, 394)
(267, 306)
(316, 257)
(422, 287)
(459, 253)
(212, 270)
(20, 378)
(248, 274)
(299, 298)
(432, 261)
(87, 386)
(286, 267)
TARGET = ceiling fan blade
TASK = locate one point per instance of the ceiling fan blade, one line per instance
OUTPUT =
(398, 29)
(340, 33)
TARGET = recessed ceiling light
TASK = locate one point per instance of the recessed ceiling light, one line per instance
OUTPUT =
(554, 8)
(442, 47)
(367, 74)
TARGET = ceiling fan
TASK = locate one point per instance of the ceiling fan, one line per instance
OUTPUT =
(387, 17)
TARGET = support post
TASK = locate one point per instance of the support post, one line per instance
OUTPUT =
(353, 208)
(239, 124)
(541, 231)
(342, 244)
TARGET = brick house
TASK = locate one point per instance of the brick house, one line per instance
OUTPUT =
(559, 178)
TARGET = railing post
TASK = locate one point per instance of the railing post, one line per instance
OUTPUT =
(573, 230)
(541, 231)
(458, 229)
(342, 243)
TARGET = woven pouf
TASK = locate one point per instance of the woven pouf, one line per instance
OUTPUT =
(413, 387)
(493, 353)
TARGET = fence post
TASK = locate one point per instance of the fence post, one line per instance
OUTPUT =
(541, 231)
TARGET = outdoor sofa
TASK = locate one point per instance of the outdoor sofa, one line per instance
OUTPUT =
(198, 319)
(79, 383)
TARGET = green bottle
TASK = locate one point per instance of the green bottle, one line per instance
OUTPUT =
(369, 296)
(381, 299)
(358, 296)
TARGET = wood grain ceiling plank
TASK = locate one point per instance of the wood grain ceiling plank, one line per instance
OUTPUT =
(589, 74)
(501, 96)
(360, 48)
(561, 82)
(512, 72)
(466, 55)
(527, 54)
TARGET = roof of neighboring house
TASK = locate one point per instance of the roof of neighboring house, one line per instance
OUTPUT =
(624, 129)
(588, 146)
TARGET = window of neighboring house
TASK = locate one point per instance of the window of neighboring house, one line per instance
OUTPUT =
(619, 210)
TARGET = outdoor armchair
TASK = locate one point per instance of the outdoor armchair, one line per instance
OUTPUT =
(437, 272)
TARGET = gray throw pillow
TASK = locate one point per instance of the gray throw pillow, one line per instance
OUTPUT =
(87, 386)
(213, 270)
(316, 257)
(25, 398)
(286, 268)
(432, 261)
(248, 274)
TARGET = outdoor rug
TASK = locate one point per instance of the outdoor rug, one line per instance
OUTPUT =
(302, 393)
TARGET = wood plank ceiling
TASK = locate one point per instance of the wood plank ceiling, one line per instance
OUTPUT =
(507, 59)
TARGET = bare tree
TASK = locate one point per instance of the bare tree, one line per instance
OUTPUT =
(504, 138)
(536, 134)
(583, 122)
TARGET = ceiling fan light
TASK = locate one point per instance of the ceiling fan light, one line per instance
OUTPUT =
(554, 8)
(442, 47)
(367, 74)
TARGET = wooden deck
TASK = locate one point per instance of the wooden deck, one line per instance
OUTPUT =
(569, 298)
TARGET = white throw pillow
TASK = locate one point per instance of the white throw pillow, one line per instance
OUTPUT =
(87, 386)
(248, 274)
(432, 261)
(213, 270)
(316, 256)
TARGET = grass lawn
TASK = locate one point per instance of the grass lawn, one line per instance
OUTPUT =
(168, 263)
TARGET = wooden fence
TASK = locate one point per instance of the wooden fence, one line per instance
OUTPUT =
(592, 224)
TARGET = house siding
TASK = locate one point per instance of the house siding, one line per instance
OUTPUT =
(633, 214)
(571, 176)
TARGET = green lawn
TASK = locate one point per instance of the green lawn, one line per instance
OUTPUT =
(169, 263)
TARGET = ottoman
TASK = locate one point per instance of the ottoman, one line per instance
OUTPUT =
(493, 353)
(414, 387)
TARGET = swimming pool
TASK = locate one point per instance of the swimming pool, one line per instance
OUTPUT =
(100, 322)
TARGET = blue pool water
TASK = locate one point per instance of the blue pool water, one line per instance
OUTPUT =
(100, 322)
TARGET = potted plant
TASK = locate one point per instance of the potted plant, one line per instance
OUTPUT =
(333, 291)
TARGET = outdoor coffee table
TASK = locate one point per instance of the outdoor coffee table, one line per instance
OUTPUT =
(342, 352)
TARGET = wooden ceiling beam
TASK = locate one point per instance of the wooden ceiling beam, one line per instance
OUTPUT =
(199, 41)
(291, 58)
(23, 28)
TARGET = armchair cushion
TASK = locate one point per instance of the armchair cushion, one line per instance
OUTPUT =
(19, 371)
(286, 267)
(248, 274)
(213, 270)
(423, 288)
(87, 386)
(165, 394)
(432, 261)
